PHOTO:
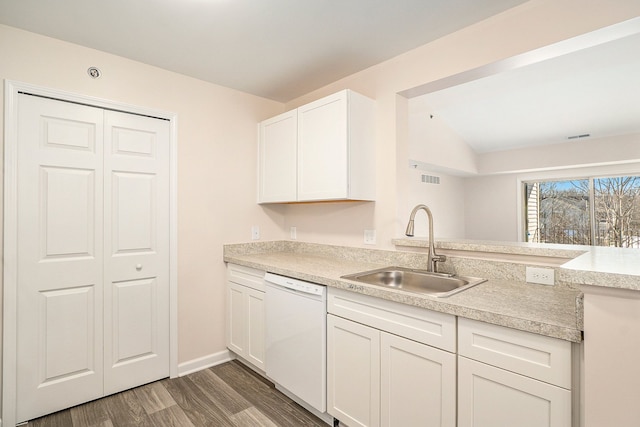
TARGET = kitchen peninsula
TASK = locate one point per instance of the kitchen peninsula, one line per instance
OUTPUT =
(585, 277)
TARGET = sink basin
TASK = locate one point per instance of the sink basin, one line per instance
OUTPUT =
(417, 281)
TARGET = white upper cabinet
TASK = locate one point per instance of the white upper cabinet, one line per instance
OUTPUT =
(329, 156)
(336, 152)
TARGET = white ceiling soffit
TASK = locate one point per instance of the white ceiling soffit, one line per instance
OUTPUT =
(277, 49)
(594, 91)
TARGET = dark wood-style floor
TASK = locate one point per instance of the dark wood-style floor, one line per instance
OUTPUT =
(229, 394)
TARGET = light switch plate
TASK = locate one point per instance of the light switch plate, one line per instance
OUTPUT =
(294, 233)
(255, 232)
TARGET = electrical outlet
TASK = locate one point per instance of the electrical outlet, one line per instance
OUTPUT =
(294, 233)
(543, 276)
(369, 237)
(255, 232)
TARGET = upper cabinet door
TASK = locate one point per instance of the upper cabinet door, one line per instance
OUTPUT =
(336, 148)
(323, 149)
(277, 153)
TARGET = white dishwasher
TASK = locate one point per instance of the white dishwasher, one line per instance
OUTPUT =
(296, 329)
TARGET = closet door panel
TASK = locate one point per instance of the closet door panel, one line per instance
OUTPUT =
(60, 255)
(66, 321)
(134, 222)
(137, 250)
(67, 224)
(135, 320)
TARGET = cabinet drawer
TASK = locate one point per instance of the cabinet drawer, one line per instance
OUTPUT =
(544, 358)
(246, 276)
(418, 324)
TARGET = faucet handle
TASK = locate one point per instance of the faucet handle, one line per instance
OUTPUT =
(435, 259)
(438, 258)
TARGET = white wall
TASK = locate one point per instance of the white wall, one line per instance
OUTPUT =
(216, 162)
(432, 141)
(491, 208)
(612, 150)
(436, 150)
(445, 200)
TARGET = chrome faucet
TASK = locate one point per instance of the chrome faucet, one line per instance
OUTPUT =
(432, 257)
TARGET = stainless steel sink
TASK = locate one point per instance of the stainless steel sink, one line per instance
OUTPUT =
(417, 281)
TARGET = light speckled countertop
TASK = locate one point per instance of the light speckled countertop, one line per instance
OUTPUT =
(553, 311)
(605, 267)
(520, 248)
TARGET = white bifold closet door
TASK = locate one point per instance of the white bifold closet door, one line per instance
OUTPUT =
(93, 253)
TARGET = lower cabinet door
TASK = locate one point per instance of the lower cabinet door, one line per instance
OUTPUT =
(255, 333)
(236, 322)
(418, 384)
(353, 372)
(492, 397)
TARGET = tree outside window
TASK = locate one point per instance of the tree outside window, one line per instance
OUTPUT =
(617, 211)
(591, 211)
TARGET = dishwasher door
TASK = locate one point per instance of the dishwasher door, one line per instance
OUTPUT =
(296, 330)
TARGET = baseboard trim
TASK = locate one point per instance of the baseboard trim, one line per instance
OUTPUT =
(204, 362)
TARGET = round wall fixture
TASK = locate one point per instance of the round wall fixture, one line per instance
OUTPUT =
(94, 72)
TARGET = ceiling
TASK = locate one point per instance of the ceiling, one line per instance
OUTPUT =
(277, 49)
(592, 91)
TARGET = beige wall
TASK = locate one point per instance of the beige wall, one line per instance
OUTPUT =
(216, 162)
(217, 139)
(490, 208)
(611, 346)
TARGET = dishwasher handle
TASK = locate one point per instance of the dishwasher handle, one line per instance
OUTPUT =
(295, 284)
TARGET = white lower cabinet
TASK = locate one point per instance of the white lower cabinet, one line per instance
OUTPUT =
(245, 333)
(417, 384)
(392, 364)
(493, 397)
(353, 372)
(376, 378)
(517, 378)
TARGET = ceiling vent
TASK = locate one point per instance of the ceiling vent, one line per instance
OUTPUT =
(584, 135)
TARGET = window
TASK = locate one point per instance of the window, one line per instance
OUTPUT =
(591, 211)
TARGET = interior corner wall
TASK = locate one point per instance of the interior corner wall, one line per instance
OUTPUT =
(444, 197)
(216, 140)
(491, 208)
